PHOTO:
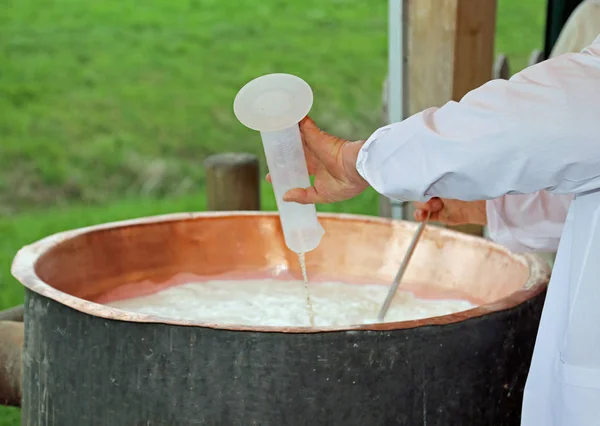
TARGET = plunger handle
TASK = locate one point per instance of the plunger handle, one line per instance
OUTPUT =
(403, 267)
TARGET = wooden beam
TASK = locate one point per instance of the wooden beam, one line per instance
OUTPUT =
(11, 349)
(450, 49)
(12, 314)
(232, 182)
(474, 45)
(450, 52)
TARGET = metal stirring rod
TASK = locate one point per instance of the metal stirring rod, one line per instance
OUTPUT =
(403, 267)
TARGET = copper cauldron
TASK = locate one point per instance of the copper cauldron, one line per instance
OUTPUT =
(85, 363)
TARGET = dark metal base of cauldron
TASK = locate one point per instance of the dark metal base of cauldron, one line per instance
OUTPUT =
(83, 370)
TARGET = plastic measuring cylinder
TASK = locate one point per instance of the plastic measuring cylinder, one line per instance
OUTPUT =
(273, 105)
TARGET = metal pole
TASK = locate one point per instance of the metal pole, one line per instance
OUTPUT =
(397, 75)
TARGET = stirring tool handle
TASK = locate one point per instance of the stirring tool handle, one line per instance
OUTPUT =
(403, 267)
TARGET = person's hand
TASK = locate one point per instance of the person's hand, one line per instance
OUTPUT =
(452, 212)
(332, 161)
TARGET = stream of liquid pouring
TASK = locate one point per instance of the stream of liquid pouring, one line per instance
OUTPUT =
(309, 307)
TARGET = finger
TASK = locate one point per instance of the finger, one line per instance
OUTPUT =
(421, 215)
(420, 206)
(268, 178)
(436, 204)
(303, 195)
(433, 205)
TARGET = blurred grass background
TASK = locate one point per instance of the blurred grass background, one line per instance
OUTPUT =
(108, 108)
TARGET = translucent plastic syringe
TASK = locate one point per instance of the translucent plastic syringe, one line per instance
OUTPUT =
(273, 105)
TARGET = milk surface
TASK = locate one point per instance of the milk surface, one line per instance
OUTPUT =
(271, 302)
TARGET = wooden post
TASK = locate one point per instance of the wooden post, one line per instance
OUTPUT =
(450, 52)
(232, 182)
(385, 205)
(12, 314)
(11, 348)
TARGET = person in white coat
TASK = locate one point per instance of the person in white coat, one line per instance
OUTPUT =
(533, 137)
(580, 30)
(515, 228)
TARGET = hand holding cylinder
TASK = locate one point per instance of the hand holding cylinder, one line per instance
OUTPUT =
(332, 161)
(274, 104)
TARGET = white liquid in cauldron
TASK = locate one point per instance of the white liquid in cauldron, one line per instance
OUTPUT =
(283, 303)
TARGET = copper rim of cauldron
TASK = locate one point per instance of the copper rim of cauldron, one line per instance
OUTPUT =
(23, 269)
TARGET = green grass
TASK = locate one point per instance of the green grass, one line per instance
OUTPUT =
(108, 108)
(101, 100)
(114, 98)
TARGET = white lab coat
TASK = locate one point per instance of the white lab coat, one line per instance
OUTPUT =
(537, 134)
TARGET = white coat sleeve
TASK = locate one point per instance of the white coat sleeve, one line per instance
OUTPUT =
(534, 222)
(538, 131)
